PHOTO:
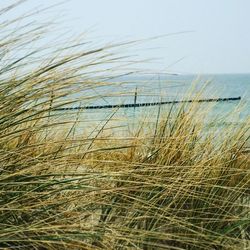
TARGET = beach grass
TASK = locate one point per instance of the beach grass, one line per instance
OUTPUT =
(168, 183)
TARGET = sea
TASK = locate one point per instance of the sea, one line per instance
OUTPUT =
(167, 88)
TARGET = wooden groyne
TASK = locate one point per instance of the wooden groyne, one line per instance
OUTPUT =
(147, 104)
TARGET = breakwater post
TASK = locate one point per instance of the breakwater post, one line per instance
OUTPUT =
(147, 104)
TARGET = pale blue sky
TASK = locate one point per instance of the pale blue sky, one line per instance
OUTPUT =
(219, 41)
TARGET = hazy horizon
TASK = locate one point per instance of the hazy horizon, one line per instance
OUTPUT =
(197, 37)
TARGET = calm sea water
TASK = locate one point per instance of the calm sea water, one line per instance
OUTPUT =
(173, 87)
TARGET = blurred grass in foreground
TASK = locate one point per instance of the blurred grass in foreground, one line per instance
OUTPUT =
(164, 186)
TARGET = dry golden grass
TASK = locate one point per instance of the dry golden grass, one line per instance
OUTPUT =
(173, 184)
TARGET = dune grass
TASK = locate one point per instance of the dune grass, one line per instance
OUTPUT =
(171, 184)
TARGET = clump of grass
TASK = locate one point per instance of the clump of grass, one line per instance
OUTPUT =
(174, 184)
(44, 202)
(175, 187)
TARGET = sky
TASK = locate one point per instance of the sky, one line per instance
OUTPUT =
(195, 36)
